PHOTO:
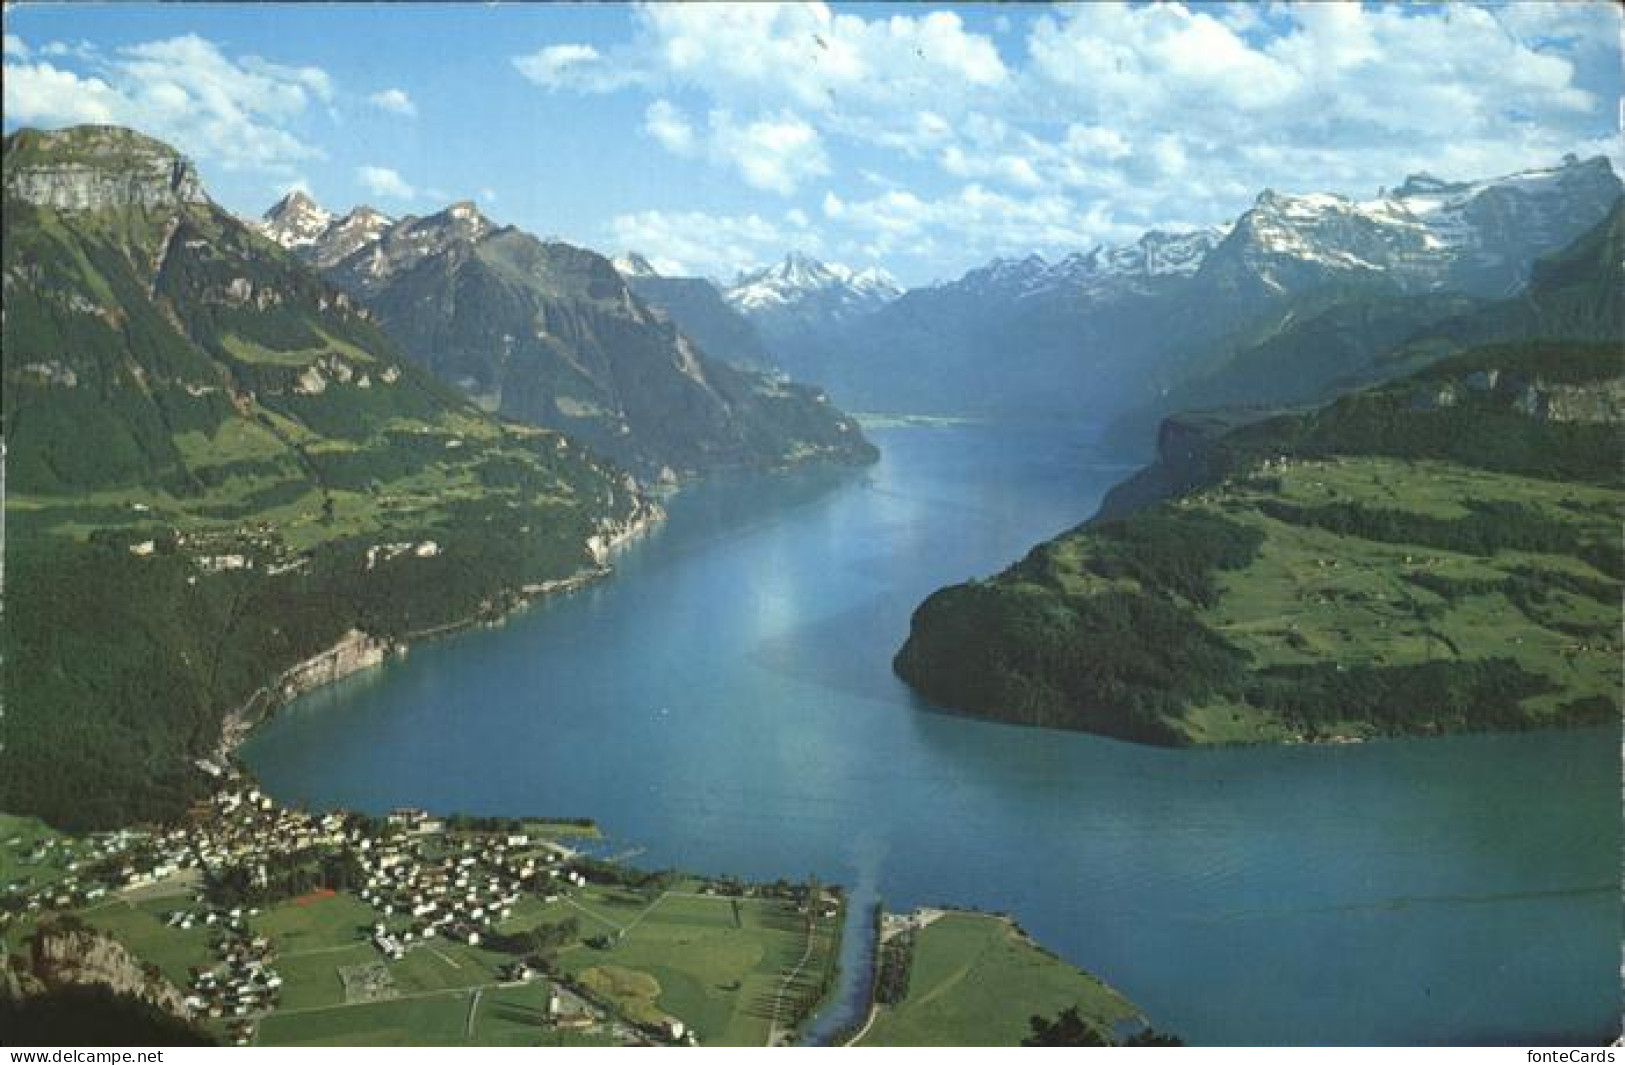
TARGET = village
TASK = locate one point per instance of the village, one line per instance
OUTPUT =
(254, 911)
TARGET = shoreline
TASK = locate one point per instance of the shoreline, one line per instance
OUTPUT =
(358, 651)
(238, 723)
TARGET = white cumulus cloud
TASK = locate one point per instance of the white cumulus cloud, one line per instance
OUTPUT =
(395, 101)
(670, 127)
(776, 153)
(237, 112)
(575, 66)
(1104, 117)
(385, 183)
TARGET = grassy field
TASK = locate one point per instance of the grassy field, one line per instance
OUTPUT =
(561, 829)
(1437, 554)
(433, 1020)
(1315, 595)
(311, 980)
(512, 1016)
(20, 838)
(1331, 598)
(733, 971)
(718, 967)
(142, 930)
(502, 1016)
(319, 922)
(976, 981)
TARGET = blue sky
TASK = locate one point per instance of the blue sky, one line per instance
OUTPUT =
(923, 138)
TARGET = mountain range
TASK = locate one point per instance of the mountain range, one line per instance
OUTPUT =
(1119, 328)
(551, 334)
(1333, 341)
(802, 290)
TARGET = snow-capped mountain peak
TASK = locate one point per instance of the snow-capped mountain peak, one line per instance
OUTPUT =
(801, 279)
(458, 221)
(875, 279)
(296, 220)
(1428, 234)
(1102, 272)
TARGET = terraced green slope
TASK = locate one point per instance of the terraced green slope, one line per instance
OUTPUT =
(1439, 554)
(217, 468)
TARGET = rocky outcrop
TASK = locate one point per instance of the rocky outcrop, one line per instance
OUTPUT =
(1600, 402)
(1603, 402)
(354, 652)
(614, 533)
(61, 958)
(91, 168)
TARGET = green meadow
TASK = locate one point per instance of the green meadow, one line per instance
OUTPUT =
(976, 981)
(721, 968)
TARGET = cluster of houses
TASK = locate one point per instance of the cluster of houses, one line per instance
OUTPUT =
(421, 879)
(424, 883)
(237, 827)
(71, 871)
(244, 983)
(220, 551)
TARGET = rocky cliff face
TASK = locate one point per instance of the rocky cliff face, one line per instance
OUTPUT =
(1532, 395)
(69, 170)
(61, 958)
(353, 653)
(1189, 454)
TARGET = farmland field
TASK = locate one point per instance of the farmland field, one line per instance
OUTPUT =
(976, 981)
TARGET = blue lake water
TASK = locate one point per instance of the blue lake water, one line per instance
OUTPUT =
(726, 703)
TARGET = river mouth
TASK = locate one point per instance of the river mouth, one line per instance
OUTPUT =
(726, 703)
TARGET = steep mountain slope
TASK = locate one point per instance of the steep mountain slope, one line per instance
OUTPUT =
(224, 483)
(550, 334)
(700, 311)
(1438, 554)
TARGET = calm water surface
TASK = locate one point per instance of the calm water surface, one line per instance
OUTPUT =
(726, 702)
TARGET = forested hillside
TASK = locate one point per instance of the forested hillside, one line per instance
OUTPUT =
(218, 467)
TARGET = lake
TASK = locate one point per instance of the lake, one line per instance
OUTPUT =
(726, 703)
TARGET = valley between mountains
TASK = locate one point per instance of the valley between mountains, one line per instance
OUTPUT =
(245, 459)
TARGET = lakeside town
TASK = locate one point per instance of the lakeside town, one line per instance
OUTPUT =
(247, 912)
